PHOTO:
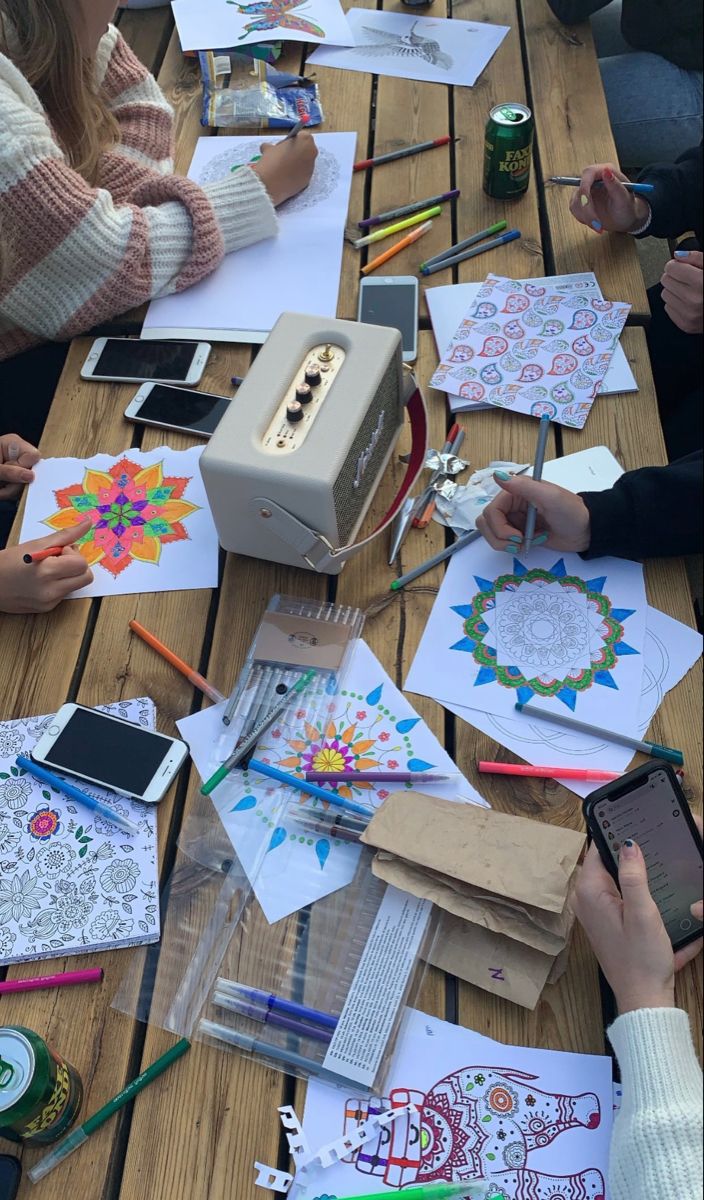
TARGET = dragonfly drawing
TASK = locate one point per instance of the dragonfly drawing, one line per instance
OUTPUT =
(272, 14)
(405, 45)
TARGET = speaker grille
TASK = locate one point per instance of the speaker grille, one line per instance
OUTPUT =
(349, 501)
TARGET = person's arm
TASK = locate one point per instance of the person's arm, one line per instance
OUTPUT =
(656, 1147)
(676, 203)
(573, 12)
(649, 513)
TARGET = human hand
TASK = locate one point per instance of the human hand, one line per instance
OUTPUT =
(286, 168)
(683, 290)
(627, 933)
(17, 458)
(608, 206)
(562, 522)
(39, 587)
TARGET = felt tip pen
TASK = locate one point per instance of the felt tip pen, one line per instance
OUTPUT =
(80, 1135)
(621, 739)
(528, 772)
(373, 777)
(289, 1058)
(638, 189)
(268, 1016)
(408, 240)
(406, 152)
(379, 234)
(39, 555)
(277, 1003)
(498, 227)
(74, 793)
(311, 789)
(458, 258)
(475, 1189)
(394, 214)
(191, 675)
(65, 979)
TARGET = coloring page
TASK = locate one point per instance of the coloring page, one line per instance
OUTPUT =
(670, 650)
(220, 24)
(553, 630)
(369, 726)
(297, 271)
(70, 881)
(430, 49)
(535, 1124)
(152, 529)
(448, 305)
(525, 347)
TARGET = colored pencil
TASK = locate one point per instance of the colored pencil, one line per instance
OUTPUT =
(498, 227)
(66, 979)
(638, 189)
(532, 512)
(498, 768)
(310, 789)
(405, 210)
(458, 258)
(191, 675)
(80, 1135)
(465, 540)
(621, 739)
(277, 1003)
(393, 155)
(40, 555)
(424, 517)
(373, 777)
(379, 234)
(408, 240)
(76, 794)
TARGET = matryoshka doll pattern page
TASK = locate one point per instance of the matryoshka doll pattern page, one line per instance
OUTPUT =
(532, 350)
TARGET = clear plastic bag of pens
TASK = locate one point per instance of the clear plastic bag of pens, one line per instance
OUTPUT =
(241, 93)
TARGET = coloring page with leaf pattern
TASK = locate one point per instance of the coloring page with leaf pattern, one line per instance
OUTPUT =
(70, 881)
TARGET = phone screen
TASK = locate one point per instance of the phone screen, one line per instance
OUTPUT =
(129, 358)
(121, 756)
(393, 305)
(651, 814)
(10, 1175)
(189, 410)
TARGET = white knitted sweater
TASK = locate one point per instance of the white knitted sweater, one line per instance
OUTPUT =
(656, 1151)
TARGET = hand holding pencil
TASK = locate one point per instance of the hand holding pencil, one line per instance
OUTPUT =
(603, 203)
(562, 519)
(37, 586)
(286, 167)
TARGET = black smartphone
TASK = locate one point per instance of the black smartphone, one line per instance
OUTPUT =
(177, 408)
(10, 1175)
(649, 806)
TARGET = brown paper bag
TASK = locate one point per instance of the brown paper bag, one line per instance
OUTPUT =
(510, 856)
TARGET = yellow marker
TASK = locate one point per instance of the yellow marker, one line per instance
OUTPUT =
(416, 219)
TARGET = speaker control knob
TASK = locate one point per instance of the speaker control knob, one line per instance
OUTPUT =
(304, 394)
(313, 375)
(294, 411)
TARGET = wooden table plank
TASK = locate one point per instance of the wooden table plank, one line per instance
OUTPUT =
(572, 131)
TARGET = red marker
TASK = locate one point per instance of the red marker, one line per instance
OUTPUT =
(498, 768)
(40, 555)
(408, 150)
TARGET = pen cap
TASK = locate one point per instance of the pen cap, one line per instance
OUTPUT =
(56, 1155)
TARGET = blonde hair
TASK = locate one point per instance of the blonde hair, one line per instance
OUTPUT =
(41, 38)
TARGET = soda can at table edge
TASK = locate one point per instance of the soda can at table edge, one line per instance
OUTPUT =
(508, 142)
(40, 1093)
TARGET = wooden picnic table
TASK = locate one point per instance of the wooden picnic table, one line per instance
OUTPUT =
(196, 1133)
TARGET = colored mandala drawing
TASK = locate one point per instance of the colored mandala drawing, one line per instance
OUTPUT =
(543, 632)
(135, 511)
(478, 1123)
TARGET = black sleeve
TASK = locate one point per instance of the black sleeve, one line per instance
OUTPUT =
(676, 203)
(650, 513)
(572, 12)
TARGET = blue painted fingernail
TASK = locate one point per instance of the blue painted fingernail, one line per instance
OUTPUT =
(511, 547)
(681, 253)
(514, 540)
(538, 541)
(503, 475)
(596, 225)
(629, 842)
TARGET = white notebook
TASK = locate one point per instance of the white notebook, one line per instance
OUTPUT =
(297, 271)
(70, 882)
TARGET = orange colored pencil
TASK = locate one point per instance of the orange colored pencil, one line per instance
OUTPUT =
(40, 555)
(408, 240)
(194, 676)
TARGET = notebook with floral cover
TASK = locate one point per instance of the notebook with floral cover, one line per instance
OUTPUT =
(71, 882)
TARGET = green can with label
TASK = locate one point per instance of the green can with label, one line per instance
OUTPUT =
(508, 142)
(40, 1093)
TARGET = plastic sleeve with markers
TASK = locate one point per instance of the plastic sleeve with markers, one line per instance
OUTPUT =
(248, 93)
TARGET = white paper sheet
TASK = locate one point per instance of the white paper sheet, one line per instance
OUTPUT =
(410, 47)
(152, 526)
(215, 24)
(542, 629)
(536, 1123)
(70, 881)
(369, 726)
(449, 304)
(671, 649)
(297, 271)
(529, 349)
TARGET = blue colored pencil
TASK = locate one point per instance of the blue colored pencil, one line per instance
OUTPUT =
(293, 781)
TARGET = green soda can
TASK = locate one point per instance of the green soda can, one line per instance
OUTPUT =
(40, 1093)
(508, 142)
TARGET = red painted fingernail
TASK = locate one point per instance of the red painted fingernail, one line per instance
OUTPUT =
(608, 173)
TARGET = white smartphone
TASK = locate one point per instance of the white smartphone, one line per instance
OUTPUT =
(113, 753)
(177, 408)
(392, 300)
(131, 360)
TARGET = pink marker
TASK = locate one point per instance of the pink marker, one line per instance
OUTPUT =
(68, 979)
(587, 775)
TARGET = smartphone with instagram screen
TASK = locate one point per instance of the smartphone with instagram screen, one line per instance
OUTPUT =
(649, 806)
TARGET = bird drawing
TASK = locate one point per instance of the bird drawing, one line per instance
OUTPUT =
(405, 45)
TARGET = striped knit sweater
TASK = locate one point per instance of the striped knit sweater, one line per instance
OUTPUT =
(79, 255)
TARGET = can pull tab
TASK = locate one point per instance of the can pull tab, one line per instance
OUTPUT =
(7, 1073)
